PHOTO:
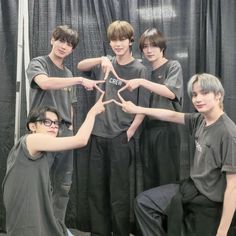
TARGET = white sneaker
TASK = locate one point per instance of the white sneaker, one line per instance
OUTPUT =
(69, 233)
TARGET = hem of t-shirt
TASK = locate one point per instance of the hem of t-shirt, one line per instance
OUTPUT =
(105, 135)
(230, 169)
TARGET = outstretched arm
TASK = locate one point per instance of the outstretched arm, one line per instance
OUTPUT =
(39, 142)
(160, 114)
(229, 205)
(159, 89)
(53, 83)
(88, 64)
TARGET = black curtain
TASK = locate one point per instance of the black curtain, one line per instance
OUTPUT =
(8, 45)
(200, 34)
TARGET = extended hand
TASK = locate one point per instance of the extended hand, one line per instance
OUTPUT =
(126, 106)
(107, 67)
(99, 105)
(130, 84)
(91, 84)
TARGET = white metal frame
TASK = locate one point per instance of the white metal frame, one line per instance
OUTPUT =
(22, 52)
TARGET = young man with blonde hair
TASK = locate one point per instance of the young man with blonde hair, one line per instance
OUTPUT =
(112, 142)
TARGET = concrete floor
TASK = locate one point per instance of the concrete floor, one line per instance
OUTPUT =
(73, 231)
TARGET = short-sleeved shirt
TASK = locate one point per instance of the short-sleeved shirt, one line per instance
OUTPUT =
(215, 154)
(170, 75)
(114, 120)
(60, 99)
(27, 194)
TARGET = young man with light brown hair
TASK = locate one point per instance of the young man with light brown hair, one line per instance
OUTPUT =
(112, 143)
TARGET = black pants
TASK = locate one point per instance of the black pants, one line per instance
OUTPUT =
(61, 177)
(201, 217)
(160, 153)
(109, 188)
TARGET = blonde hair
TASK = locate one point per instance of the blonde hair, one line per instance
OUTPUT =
(120, 30)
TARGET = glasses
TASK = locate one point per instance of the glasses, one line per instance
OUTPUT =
(49, 123)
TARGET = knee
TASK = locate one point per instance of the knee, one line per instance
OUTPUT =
(139, 202)
(65, 188)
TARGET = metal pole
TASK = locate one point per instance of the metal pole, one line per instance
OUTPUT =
(19, 72)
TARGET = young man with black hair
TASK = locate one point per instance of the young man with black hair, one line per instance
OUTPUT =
(52, 84)
(160, 140)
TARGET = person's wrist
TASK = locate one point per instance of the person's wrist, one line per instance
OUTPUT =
(81, 80)
(102, 58)
(91, 113)
(141, 82)
(139, 110)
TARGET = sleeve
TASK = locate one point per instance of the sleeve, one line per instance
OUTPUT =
(95, 73)
(229, 155)
(174, 79)
(35, 68)
(192, 121)
(144, 94)
(73, 94)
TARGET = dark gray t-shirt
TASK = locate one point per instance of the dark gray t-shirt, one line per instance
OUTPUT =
(114, 121)
(60, 99)
(170, 75)
(215, 154)
(28, 194)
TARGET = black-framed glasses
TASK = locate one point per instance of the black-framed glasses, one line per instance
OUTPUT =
(48, 122)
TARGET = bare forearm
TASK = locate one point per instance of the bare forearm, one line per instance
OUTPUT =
(136, 122)
(229, 206)
(159, 89)
(53, 83)
(88, 64)
(162, 114)
(86, 128)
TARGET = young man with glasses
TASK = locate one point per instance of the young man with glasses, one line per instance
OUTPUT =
(52, 84)
(27, 191)
(49, 123)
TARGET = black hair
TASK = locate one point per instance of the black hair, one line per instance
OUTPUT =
(155, 37)
(67, 34)
(39, 113)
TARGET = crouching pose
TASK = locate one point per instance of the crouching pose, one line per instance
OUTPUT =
(206, 201)
(27, 186)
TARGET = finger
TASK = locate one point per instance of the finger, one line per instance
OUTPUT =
(100, 90)
(106, 74)
(108, 101)
(101, 97)
(123, 88)
(100, 82)
(118, 103)
(114, 72)
(88, 89)
(123, 80)
(120, 97)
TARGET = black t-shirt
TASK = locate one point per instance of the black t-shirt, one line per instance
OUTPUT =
(114, 120)
(28, 194)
